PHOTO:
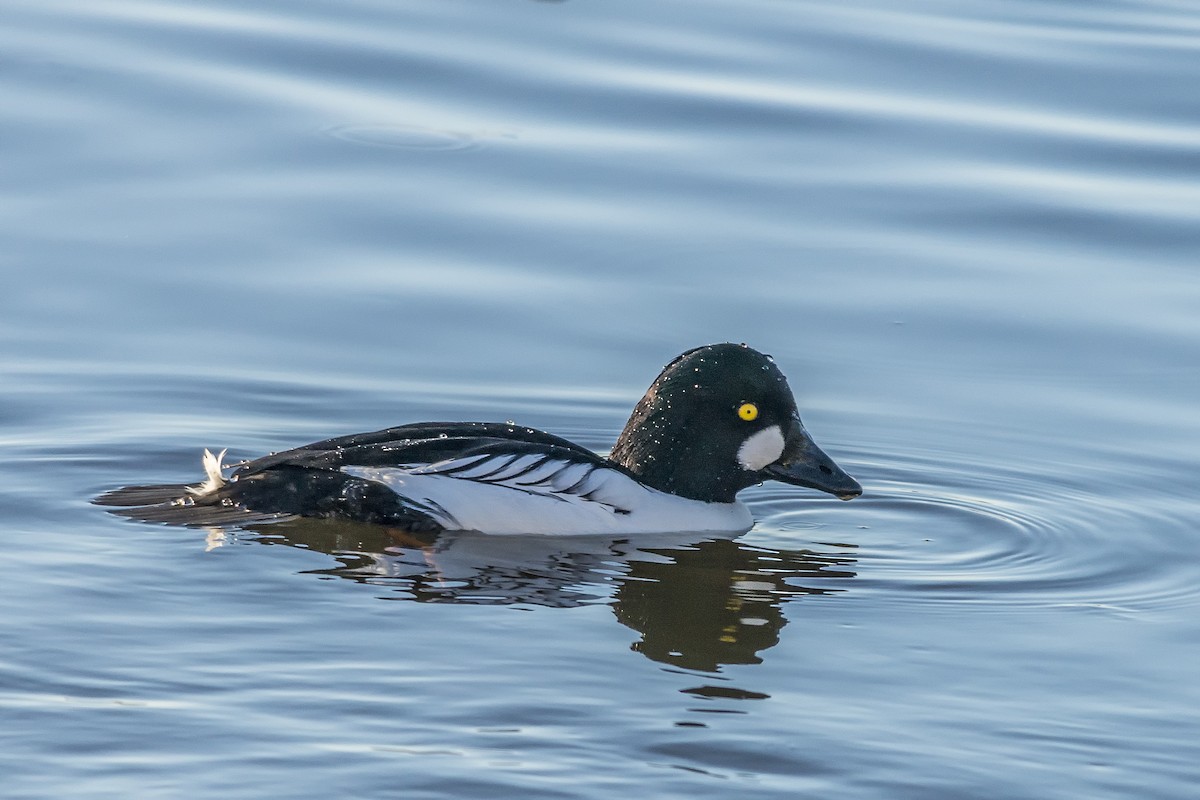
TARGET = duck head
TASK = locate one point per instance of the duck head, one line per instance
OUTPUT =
(720, 418)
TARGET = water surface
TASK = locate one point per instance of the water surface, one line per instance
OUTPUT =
(968, 235)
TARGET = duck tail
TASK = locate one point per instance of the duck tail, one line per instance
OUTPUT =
(184, 504)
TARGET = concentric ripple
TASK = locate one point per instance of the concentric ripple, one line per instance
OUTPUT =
(940, 528)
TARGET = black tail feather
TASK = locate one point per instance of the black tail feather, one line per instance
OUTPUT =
(198, 515)
(172, 504)
(143, 495)
(272, 495)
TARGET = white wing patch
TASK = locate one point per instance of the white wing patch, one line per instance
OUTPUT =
(539, 494)
(535, 474)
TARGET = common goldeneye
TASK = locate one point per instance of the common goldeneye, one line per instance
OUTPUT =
(717, 419)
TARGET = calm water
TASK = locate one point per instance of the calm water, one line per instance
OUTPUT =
(967, 232)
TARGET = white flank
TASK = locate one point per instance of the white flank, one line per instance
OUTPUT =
(607, 502)
(761, 449)
(212, 468)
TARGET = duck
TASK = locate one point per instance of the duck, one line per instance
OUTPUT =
(717, 419)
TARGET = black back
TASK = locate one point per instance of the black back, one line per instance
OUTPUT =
(419, 443)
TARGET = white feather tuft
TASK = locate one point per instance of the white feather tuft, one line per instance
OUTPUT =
(212, 469)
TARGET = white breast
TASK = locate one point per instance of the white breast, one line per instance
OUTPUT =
(501, 495)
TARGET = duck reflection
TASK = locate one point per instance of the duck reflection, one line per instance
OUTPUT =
(698, 602)
(718, 601)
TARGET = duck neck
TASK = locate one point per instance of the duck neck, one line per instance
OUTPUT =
(661, 454)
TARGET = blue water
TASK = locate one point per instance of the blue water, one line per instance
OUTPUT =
(967, 232)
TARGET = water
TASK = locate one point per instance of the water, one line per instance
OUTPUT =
(968, 234)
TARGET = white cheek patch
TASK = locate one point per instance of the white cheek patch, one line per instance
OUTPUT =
(761, 449)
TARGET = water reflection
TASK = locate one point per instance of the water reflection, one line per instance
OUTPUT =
(718, 601)
(698, 602)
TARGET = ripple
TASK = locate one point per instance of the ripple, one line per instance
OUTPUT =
(941, 529)
(404, 137)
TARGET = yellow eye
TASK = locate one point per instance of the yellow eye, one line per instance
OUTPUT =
(748, 412)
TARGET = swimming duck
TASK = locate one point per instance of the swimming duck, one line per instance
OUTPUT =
(717, 419)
